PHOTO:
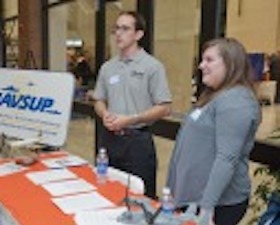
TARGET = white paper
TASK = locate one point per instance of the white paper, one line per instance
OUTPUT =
(61, 162)
(46, 176)
(68, 187)
(79, 202)
(10, 168)
(104, 217)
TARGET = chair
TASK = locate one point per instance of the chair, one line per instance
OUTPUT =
(136, 183)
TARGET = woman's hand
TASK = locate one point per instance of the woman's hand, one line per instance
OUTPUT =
(205, 217)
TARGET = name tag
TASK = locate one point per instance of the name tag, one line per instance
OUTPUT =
(196, 114)
(114, 79)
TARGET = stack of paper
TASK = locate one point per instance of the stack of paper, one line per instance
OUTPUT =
(104, 217)
(46, 176)
(67, 187)
(10, 168)
(87, 201)
(65, 161)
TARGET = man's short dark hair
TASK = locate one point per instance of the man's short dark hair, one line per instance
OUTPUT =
(140, 23)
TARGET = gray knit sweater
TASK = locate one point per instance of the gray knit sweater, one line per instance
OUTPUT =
(210, 162)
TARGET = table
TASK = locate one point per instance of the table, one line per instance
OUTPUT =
(29, 204)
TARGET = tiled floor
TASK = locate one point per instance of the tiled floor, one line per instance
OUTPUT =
(81, 138)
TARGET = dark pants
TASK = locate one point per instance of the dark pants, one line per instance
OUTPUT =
(133, 151)
(230, 215)
(227, 215)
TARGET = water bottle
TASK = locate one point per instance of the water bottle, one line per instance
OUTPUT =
(102, 162)
(167, 202)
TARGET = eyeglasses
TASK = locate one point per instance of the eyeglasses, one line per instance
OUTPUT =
(121, 29)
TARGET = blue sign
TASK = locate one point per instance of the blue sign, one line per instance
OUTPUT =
(10, 98)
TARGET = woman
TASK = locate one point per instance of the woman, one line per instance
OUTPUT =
(209, 165)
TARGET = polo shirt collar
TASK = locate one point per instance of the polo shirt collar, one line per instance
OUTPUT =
(136, 58)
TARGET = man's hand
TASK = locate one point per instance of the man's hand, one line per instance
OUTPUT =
(112, 121)
(117, 122)
(108, 119)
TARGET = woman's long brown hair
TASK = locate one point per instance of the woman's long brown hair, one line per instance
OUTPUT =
(238, 67)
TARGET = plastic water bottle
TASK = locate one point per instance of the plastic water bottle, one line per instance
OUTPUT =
(102, 163)
(167, 202)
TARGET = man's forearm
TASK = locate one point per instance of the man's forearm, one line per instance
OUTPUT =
(100, 108)
(155, 113)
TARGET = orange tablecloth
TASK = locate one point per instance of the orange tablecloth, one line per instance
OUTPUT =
(31, 205)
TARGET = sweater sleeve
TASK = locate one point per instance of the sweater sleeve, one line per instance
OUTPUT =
(233, 126)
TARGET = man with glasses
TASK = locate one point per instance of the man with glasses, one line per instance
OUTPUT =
(130, 94)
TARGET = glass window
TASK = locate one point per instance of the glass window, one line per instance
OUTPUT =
(10, 8)
(262, 17)
(53, 1)
(176, 27)
(11, 43)
(71, 34)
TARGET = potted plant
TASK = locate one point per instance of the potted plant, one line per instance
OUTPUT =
(268, 190)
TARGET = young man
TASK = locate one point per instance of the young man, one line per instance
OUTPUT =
(131, 93)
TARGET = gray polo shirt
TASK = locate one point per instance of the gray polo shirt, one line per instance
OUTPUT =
(132, 85)
(210, 162)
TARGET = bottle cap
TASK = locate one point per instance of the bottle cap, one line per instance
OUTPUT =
(102, 150)
(166, 191)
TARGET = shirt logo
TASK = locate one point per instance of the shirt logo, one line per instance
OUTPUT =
(137, 73)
